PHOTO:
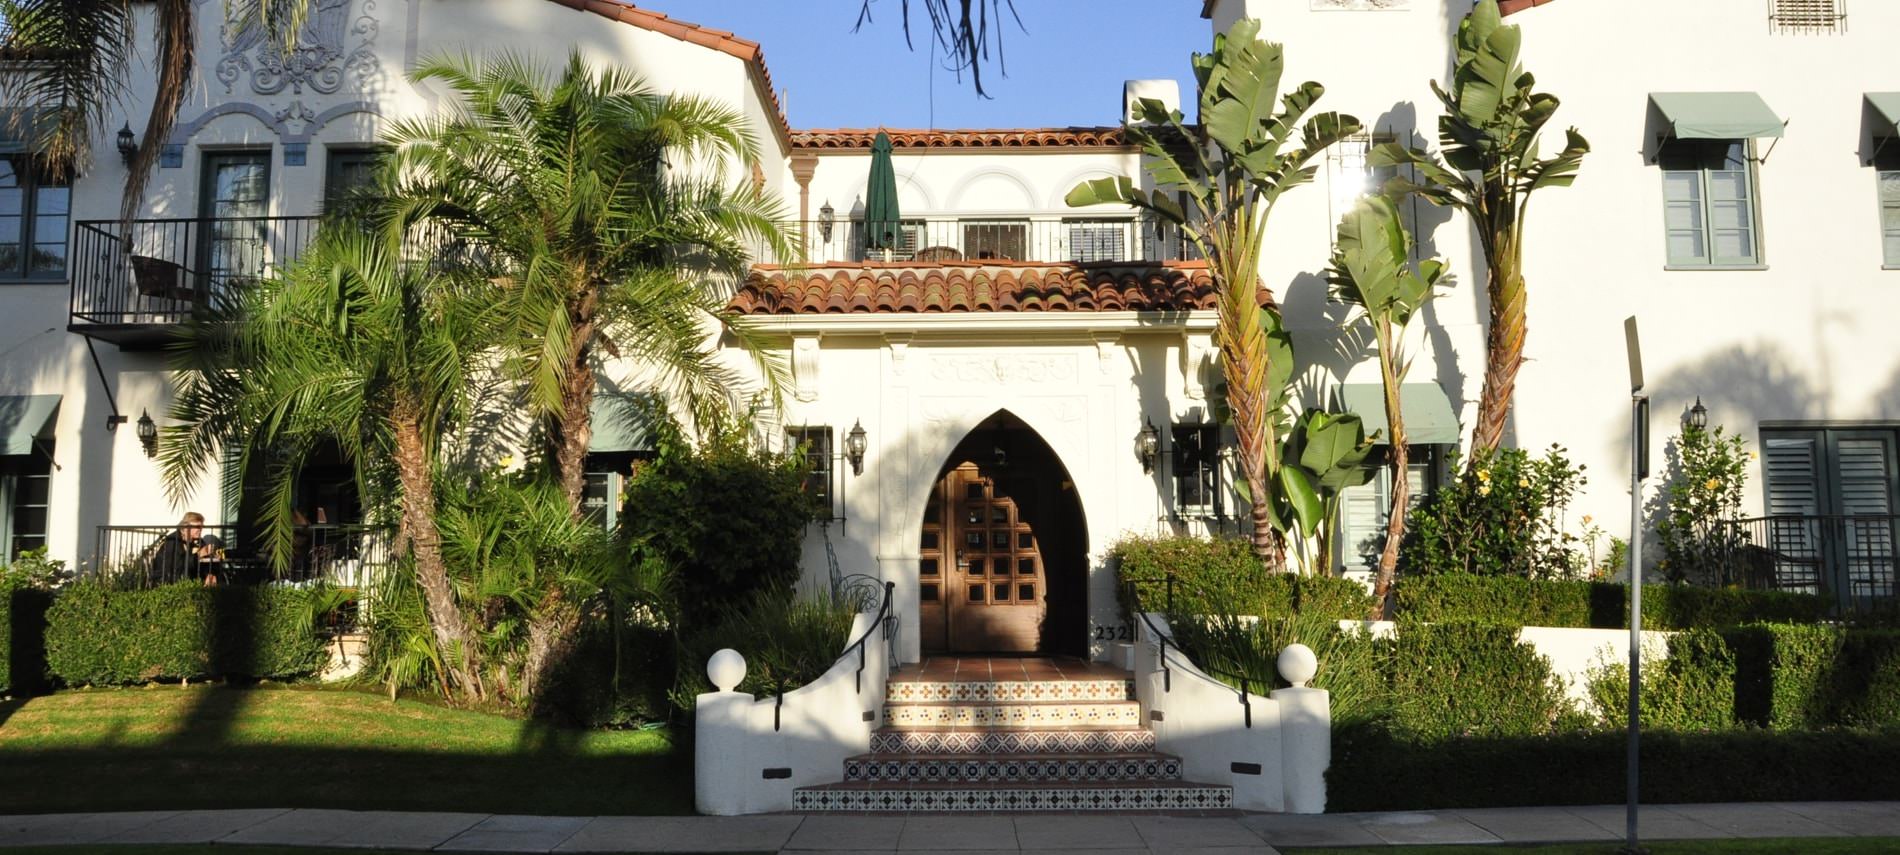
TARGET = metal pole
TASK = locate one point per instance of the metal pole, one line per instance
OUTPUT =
(1639, 466)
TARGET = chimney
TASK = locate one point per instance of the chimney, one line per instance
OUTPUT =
(1168, 92)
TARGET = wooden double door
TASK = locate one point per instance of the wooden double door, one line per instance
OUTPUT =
(983, 582)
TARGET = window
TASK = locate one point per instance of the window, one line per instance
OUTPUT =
(910, 238)
(1831, 496)
(348, 172)
(815, 443)
(25, 484)
(1351, 174)
(1362, 515)
(1807, 16)
(33, 209)
(1195, 462)
(1097, 240)
(1887, 173)
(600, 498)
(995, 239)
(1709, 203)
(234, 200)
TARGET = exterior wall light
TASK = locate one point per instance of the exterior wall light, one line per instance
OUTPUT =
(1148, 447)
(148, 434)
(826, 217)
(854, 447)
(1698, 415)
(128, 145)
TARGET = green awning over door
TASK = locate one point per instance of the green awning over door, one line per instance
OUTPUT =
(1717, 115)
(23, 417)
(1887, 104)
(618, 423)
(1429, 417)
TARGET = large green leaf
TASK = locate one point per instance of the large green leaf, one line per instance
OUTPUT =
(1334, 449)
(1301, 499)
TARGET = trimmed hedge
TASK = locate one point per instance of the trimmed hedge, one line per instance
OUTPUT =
(1692, 690)
(1604, 605)
(1471, 679)
(22, 637)
(97, 636)
(1224, 572)
(1808, 677)
(1377, 768)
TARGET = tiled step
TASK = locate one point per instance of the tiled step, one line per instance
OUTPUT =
(1052, 714)
(869, 796)
(1009, 690)
(988, 741)
(1038, 768)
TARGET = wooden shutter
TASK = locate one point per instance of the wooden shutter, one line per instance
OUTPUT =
(1864, 464)
(1791, 464)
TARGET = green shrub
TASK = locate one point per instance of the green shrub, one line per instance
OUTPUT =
(97, 636)
(1379, 767)
(26, 587)
(1792, 677)
(1472, 679)
(1221, 575)
(1231, 647)
(1604, 605)
(1503, 515)
(1692, 690)
(1700, 506)
(787, 640)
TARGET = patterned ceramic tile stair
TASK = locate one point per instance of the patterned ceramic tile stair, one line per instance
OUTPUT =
(999, 734)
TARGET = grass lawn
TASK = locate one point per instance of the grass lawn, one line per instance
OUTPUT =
(1780, 846)
(168, 747)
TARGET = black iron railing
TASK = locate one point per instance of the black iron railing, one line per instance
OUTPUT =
(1847, 558)
(1241, 683)
(1001, 238)
(161, 271)
(144, 556)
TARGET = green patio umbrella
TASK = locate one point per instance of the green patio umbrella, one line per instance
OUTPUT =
(881, 219)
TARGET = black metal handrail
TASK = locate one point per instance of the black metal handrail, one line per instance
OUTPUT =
(1850, 558)
(1133, 587)
(885, 621)
(161, 271)
(949, 237)
(144, 556)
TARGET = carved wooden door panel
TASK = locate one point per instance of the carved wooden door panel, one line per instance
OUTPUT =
(990, 597)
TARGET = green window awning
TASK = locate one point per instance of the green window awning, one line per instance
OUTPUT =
(1887, 104)
(619, 423)
(1429, 417)
(1717, 115)
(23, 417)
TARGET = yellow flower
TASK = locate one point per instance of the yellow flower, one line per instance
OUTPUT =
(1523, 482)
(1485, 488)
(1712, 484)
(1586, 519)
(506, 461)
(1753, 456)
(1484, 476)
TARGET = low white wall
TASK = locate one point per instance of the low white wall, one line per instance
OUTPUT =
(1572, 652)
(1201, 720)
(819, 725)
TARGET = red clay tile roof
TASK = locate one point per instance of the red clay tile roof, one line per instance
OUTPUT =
(718, 40)
(1509, 6)
(976, 286)
(849, 138)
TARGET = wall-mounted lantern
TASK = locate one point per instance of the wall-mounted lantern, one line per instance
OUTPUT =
(148, 433)
(1698, 415)
(1148, 447)
(128, 145)
(826, 217)
(854, 447)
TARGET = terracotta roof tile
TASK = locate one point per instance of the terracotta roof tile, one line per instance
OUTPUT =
(719, 40)
(1510, 6)
(920, 287)
(853, 138)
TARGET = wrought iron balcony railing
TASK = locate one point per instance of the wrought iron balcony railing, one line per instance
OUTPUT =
(144, 556)
(932, 238)
(1849, 559)
(131, 279)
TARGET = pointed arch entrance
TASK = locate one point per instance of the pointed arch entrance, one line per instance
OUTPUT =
(1003, 549)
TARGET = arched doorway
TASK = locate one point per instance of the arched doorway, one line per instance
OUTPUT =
(1003, 551)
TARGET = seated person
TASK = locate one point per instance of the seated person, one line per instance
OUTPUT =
(174, 558)
(211, 567)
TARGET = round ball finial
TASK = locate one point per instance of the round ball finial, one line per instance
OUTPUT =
(726, 668)
(1298, 664)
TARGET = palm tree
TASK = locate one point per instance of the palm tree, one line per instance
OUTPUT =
(1372, 269)
(71, 61)
(1231, 186)
(1488, 140)
(605, 210)
(353, 345)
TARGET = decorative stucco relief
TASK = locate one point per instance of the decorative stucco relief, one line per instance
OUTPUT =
(805, 368)
(1057, 408)
(1003, 369)
(333, 46)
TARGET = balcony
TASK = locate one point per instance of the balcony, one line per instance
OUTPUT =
(137, 556)
(1002, 239)
(133, 287)
(1848, 559)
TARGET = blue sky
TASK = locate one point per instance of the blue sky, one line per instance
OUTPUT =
(1066, 69)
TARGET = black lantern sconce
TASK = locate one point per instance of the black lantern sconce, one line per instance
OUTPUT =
(1698, 415)
(128, 145)
(827, 216)
(1148, 447)
(854, 447)
(148, 434)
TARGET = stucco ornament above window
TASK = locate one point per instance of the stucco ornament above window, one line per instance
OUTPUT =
(320, 61)
(1360, 5)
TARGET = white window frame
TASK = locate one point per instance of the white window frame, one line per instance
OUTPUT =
(1705, 210)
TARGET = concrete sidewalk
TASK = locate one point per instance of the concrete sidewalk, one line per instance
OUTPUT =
(1133, 835)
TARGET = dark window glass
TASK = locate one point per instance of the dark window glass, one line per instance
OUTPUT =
(1025, 540)
(976, 566)
(1196, 467)
(33, 213)
(815, 443)
(1002, 593)
(928, 593)
(32, 477)
(976, 593)
(597, 498)
(1026, 566)
(1026, 593)
(927, 567)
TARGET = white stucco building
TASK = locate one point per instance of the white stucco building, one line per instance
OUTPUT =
(1005, 361)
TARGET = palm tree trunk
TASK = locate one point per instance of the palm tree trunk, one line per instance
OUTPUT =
(1244, 356)
(574, 428)
(452, 633)
(1504, 347)
(1401, 485)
